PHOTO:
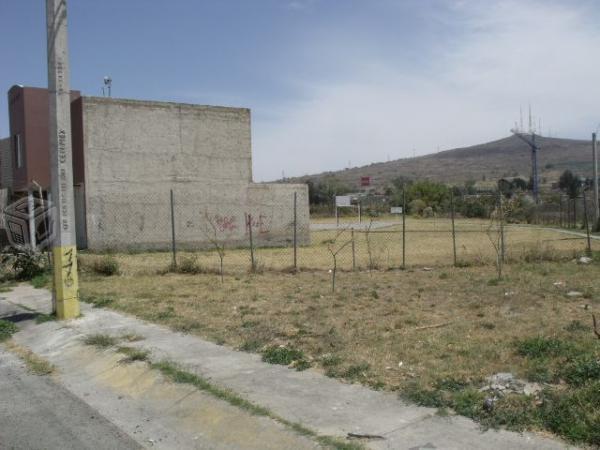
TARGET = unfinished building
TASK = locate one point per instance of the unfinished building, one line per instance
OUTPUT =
(129, 155)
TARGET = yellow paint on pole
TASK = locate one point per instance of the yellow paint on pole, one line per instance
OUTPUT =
(66, 286)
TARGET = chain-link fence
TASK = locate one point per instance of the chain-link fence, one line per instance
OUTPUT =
(566, 212)
(150, 233)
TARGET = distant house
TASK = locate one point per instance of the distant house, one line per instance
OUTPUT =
(127, 157)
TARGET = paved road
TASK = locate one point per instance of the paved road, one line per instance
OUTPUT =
(36, 413)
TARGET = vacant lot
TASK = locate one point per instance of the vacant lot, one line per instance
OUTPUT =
(428, 242)
(433, 335)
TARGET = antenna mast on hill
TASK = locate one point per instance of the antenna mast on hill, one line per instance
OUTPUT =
(529, 139)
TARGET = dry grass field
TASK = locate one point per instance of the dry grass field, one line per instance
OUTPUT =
(432, 332)
(375, 319)
(428, 243)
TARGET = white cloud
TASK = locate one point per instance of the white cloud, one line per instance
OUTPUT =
(504, 54)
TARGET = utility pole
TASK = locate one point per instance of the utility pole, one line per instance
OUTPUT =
(596, 214)
(64, 250)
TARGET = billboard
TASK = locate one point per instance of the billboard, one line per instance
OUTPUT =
(365, 181)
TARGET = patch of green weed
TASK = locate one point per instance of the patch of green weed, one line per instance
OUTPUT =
(100, 340)
(540, 347)
(7, 329)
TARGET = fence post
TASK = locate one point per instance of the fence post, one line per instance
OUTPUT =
(359, 212)
(173, 244)
(353, 249)
(560, 212)
(403, 227)
(502, 248)
(251, 243)
(295, 231)
(587, 225)
(453, 229)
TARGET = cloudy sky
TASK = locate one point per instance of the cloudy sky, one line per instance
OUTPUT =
(332, 83)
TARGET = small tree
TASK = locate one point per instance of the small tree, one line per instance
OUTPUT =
(211, 230)
(495, 230)
(571, 185)
(335, 248)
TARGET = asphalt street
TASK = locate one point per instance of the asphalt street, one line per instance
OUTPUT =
(36, 413)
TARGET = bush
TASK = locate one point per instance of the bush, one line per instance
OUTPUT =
(107, 266)
(190, 266)
(26, 263)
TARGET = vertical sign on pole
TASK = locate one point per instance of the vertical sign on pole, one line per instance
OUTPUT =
(64, 251)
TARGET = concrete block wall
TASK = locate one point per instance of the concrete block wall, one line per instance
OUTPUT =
(136, 152)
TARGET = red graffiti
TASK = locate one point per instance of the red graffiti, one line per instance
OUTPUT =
(261, 223)
(225, 223)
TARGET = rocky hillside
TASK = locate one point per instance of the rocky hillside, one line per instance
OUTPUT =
(483, 163)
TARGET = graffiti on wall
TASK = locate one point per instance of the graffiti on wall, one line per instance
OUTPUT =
(260, 223)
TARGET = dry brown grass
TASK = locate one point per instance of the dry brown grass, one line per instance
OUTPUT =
(35, 364)
(428, 243)
(370, 329)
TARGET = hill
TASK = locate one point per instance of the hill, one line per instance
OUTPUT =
(483, 163)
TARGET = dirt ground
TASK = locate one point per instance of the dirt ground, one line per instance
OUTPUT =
(382, 328)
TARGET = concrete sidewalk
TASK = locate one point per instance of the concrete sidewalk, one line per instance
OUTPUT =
(322, 404)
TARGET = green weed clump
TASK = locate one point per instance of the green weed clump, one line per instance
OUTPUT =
(133, 354)
(285, 356)
(43, 318)
(541, 347)
(7, 329)
(41, 280)
(573, 413)
(582, 369)
(97, 301)
(100, 340)
(189, 266)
